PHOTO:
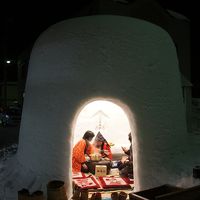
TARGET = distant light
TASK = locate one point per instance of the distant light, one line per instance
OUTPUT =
(8, 61)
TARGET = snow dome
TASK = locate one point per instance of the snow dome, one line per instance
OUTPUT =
(127, 61)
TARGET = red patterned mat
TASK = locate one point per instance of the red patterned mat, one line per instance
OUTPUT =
(79, 175)
(113, 182)
(86, 183)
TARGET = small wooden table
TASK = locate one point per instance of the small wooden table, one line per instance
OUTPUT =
(92, 164)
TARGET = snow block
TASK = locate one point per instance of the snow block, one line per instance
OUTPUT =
(128, 61)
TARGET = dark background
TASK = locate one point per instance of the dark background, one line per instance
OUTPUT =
(23, 23)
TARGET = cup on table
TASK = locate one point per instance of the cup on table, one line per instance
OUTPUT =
(114, 196)
(84, 195)
(122, 196)
(96, 196)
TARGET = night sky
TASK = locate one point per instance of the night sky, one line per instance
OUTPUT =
(23, 23)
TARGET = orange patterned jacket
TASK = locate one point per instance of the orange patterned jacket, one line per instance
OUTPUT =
(78, 155)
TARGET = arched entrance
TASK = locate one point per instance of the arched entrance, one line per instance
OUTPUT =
(112, 118)
(106, 117)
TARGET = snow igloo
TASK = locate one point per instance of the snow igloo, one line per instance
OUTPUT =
(124, 60)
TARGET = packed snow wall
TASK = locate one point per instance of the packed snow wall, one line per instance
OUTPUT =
(125, 60)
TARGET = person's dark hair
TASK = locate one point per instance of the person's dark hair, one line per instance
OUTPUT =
(130, 137)
(88, 135)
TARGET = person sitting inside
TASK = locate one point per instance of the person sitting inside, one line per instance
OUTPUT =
(80, 149)
(125, 166)
(101, 144)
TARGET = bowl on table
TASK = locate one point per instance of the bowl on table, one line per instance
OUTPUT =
(95, 157)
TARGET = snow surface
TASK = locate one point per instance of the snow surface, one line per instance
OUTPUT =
(177, 15)
(124, 60)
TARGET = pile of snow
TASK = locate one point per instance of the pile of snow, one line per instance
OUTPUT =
(6, 155)
(7, 152)
(14, 176)
(177, 15)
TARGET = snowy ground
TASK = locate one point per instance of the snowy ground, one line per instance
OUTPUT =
(193, 155)
(5, 155)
